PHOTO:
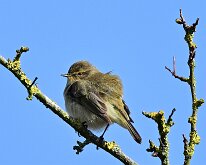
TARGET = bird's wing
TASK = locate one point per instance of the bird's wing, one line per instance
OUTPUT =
(81, 93)
(126, 108)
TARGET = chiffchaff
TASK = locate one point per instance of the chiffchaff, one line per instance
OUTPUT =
(96, 98)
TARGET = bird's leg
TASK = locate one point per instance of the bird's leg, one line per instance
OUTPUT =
(101, 138)
(84, 124)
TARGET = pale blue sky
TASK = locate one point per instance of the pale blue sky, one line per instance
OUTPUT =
(134, 39)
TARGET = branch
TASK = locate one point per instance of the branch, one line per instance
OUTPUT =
(79, 148)
(110, 147)
(194, 137)
(161, 151)
(174, 72)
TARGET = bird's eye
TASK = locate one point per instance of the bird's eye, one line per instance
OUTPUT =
(79, 73)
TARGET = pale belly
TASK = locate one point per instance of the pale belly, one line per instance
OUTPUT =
(77, 111)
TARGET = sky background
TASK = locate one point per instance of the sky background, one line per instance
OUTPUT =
(133, 39)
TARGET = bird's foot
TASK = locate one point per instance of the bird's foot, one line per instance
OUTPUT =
(101, 139)
(84, 124)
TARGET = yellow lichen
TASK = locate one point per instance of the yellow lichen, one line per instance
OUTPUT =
(110, 145)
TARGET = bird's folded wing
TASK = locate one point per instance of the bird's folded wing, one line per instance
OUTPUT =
(126, 108)
(94, 103)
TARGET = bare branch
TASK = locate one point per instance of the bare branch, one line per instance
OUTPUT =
(79, 148)
(174, 72)
(169, 120)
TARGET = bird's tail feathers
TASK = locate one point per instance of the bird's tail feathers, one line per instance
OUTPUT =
(136, 136)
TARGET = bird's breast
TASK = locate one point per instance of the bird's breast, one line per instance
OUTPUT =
(77, 111)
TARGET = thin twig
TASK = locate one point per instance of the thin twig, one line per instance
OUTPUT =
(170, 116)
(19, 52)
(174, 71)
(79, 148)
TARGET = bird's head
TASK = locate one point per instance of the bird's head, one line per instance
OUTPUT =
(80, 70)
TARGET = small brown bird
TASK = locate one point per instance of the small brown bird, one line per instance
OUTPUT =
(96, 98)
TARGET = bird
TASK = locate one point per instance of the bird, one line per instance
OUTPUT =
(95, 98)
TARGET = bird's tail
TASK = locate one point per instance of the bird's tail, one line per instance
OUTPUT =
(136, 136)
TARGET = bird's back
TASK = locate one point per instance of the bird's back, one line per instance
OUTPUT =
(107, 84)
(111, 90)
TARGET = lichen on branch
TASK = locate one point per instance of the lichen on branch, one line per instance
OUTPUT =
(161, 151)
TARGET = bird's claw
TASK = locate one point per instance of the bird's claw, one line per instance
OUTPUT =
(101, 139)
(84, 124)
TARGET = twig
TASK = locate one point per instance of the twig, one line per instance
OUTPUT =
(19, 52)
(169, 120)
(79, 148)
(185, 141)
(174, 72)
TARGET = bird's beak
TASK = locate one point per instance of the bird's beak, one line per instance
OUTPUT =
(65, 75)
